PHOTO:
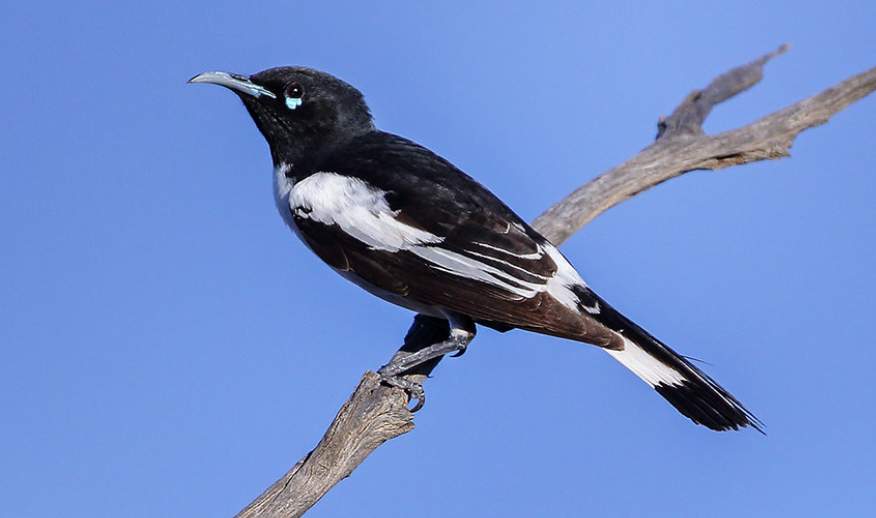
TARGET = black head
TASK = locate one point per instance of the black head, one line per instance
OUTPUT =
(300, 111)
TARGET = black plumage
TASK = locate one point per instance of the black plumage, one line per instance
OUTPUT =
(411, 228)
(431, 194)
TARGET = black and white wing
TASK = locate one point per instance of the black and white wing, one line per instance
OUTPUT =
(411, 228)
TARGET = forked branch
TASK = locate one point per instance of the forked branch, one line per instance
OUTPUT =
(376, 413)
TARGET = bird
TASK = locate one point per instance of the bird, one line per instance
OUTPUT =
(408, 226)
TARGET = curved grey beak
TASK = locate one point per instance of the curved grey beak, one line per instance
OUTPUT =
(236, 82)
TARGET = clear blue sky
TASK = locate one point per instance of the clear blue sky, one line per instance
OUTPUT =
(169, 348)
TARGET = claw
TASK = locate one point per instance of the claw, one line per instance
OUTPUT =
(461, 342)
(413, 389)
(419, 395)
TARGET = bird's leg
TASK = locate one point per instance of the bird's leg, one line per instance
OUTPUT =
(462, 332)
(455, 343)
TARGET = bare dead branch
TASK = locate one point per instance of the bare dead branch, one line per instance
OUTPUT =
(375, 413)
(678, 152)
(688, 117)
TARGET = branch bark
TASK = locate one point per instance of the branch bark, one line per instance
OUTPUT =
(375, 413)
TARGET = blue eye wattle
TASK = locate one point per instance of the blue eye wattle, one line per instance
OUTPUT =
(293, 102)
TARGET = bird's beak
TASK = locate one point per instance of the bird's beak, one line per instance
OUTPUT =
(236, 82)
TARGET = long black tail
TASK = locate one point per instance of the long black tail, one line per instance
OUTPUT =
(687, 388)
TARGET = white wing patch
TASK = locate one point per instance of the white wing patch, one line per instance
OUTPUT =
(534, 255)
(358, 209)
(558, 286)
(463, 266)
(361, 210)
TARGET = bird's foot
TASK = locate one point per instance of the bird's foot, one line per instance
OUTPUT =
(461, 347)
(413, 389)
(405, 362)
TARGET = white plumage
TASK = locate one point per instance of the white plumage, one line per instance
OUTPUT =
(357, 208)
(651, 370)
(362, 211)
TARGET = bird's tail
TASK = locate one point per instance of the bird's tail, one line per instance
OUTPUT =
(691, 391)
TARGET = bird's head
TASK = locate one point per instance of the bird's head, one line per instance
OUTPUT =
(300, 111)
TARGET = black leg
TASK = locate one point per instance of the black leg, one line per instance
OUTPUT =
(462, 332)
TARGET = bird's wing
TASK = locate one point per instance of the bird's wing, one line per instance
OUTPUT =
(409, 226)
(408, 222)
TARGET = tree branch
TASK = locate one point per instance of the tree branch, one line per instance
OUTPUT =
(681, 146)
(376, 413)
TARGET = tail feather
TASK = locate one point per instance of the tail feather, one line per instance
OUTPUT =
(691, 391)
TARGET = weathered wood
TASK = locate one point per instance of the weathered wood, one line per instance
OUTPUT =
(375, 413)
(682, 148)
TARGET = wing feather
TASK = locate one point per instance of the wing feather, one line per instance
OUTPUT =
(421, 228)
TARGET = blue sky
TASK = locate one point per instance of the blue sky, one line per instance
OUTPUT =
(169, 348)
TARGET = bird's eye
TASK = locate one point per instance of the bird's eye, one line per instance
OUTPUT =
(294, 94)
(294, 91)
